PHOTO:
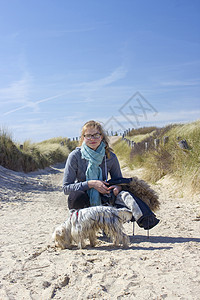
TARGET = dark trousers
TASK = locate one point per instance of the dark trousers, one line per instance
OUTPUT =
(78, 200)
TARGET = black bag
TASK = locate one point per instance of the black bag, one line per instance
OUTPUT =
(108, 199)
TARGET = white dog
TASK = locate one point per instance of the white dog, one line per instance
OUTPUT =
(86, 222)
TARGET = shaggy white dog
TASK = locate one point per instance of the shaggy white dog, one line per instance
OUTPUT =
(86, 222)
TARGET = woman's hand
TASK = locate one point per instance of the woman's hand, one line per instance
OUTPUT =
(100, 186)
(116, 189)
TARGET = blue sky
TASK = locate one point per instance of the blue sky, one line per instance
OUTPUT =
(125, 63)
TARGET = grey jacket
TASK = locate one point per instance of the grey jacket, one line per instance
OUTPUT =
(75, 168)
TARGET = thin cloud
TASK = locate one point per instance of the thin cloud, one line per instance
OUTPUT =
(59, 33)
(32, 104)
(177, 83)
(17, 91)
(37, 129)
(116, 75)
(161, 117)
(35, 105)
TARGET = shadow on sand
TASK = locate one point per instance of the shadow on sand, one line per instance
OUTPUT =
(144, 239)
(162, 239)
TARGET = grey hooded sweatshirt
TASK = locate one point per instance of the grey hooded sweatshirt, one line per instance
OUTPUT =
(75, 169)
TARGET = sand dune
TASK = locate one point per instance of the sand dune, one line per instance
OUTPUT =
(165, 266)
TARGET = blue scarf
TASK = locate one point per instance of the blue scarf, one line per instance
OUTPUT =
(93, 172)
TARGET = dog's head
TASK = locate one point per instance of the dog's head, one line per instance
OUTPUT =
(124, 214)
(62, 235)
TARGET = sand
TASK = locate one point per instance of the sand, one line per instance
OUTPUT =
(165, 266)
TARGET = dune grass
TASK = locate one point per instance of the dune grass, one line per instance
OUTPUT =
(183, 164)
(122, 150)
(141, 137)
(32, 156)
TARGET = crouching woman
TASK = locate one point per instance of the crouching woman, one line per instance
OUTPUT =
(86, 173)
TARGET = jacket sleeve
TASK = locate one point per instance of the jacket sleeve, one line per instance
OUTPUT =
(70, 175)
(115, 171)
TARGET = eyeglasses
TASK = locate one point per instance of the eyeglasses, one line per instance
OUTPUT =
(95, 136)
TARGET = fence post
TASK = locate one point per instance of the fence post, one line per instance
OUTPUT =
(132, 144)
(165, 140)
(156, 143)
(183, 144)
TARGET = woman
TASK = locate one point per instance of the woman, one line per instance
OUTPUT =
(87, 169)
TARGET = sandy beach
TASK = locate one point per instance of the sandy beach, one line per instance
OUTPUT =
(165, 266)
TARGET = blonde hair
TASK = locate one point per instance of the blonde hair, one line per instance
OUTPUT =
(98, 126)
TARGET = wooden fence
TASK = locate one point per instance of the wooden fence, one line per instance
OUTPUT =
(152, 143)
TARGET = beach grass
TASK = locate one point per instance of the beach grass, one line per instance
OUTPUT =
(30, 156)
(166, 159)
(169, 158)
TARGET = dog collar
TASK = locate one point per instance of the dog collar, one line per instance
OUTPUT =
(74, 211)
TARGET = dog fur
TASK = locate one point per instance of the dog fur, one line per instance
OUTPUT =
(86, 222)
(143, 191)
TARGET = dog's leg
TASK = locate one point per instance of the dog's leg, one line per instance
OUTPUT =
(77, 233)
(115, 237)
(81, 243)
(119, 237)
(125, 240)
(93, 239)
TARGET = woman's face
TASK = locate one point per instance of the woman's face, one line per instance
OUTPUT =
(92, 138)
